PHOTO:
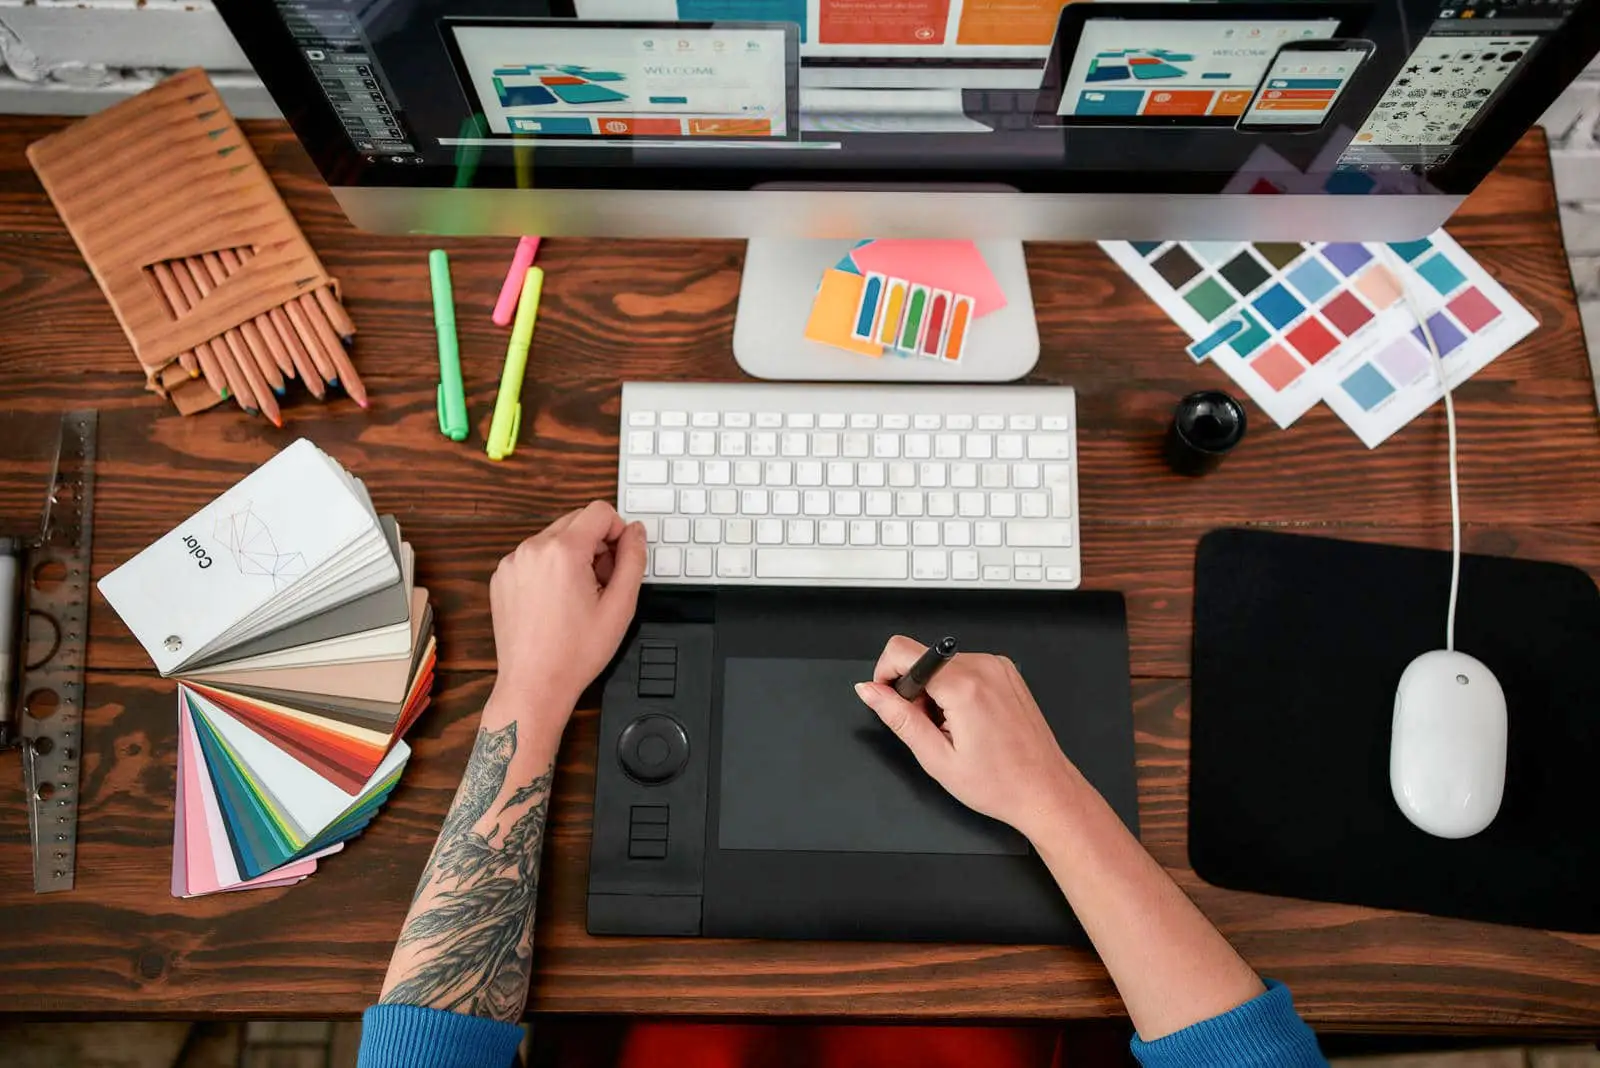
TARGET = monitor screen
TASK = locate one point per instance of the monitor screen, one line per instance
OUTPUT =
(1336, 97)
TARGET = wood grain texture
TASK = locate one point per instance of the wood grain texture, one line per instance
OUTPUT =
(119, 944)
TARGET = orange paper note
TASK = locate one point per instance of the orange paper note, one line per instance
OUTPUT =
(834, 312)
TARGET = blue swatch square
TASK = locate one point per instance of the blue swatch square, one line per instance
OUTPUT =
(1254, 336)
(1349, 183)
(1313, 280)
(1410, 250)
(1347, 259)
(1213, 252)
(1445, 334)
(1279, 306)
(1144, 248)
(1441, 274)
(1367, 387)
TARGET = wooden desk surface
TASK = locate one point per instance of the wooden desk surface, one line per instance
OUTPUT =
(120, 944)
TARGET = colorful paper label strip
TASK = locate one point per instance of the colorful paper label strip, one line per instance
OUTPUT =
(911, 319)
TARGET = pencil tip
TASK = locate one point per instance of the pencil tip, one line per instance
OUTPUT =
(225, 394)
(280, 391)
(333, 381)
(252, 411)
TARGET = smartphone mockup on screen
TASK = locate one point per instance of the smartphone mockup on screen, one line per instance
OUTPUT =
(1303, 82)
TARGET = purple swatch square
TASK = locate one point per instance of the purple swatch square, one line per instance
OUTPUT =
(1405, 360)
(1348, 258)
(1446, 334)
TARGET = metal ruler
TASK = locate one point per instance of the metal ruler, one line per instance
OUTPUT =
(55, 635)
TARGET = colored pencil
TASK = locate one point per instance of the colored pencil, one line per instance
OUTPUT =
(238, 385)
(175, 300)
(232, 354)
(333, 349)
(284, 329)
(336, 314)
(279, 354)
(308, 339)
(257, 351)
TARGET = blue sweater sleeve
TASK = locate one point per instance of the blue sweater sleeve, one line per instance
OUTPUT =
(1264, 1032)
(410, 1036)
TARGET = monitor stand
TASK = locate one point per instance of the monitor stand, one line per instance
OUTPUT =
(781, 278)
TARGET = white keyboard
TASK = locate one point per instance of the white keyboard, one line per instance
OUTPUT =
(795, 485)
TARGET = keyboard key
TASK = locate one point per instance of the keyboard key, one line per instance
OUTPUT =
(793, 444)
(1049, 446)
(717, 473)
(685, 472)
(747, 473)
(925, 532)
(675, 531)
(996, 573)
(907, 503)
(918, 446)
(724, 501)
(847, 564)
(1058, 480)
(733, 562)
(964, 565)
(647, 501)
(929, 564)
(641, 418)
(991, 422)
(697, 562)
(762, 443)
(987, 533)
(1035, 505)
(957, 532)
(863, 532)
(1028, 559)
(641, 442)
(1058, 574)
(738, 531)
(802, 531)
(647, 473)
(652, 528)
(869, 473)
(670, 443)
(857, 446)
(980, 447)
(786, 502)
(879, 502)
(963, 476)
(886, 446)
(801, 420)
(1003, 505)
(808, 473)
(831, 421)
(707, 531)
(674, 418)
(704, 443)
(741, 420)
(703, 419)
(925, 421)
(831, 532)
(902, 475)
(692, 501)
(769, 420)
(769, 532)
(841, 473)
(1009, 446)
(667, 562)
(779, 472)
(995, 476)
(947, 446)
(1028, 574)
(958, 422)
(894, 532)
(1055, 422)
(899, 422)
(818, 502)
(970, 504)
(932, 475)
(863, 421)
(1044, 535)
(941, 504)
(847, 502)
(824, 444)
(1025, 476)
(753, 502)
(1016, 422)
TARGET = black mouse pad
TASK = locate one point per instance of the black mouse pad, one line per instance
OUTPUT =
(1299, 643)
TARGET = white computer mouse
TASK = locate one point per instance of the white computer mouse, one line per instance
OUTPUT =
(1447, 755)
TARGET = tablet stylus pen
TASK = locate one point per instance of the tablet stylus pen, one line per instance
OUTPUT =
(912, 683)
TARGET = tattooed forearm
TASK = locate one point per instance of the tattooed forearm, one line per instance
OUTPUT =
(468, 943)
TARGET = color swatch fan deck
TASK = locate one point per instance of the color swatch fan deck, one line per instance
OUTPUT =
(288, 609)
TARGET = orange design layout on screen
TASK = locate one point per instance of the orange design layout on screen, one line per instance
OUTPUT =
(1008, 22)
(636, 126)
(1231, 102)
(1177, 102)
(730, 127)
(883, 22)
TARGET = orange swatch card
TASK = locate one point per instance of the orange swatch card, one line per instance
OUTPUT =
(833, 313)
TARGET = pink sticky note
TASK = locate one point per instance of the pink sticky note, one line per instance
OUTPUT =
(956, 266)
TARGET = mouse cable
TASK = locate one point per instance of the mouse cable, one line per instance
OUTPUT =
(1455, 486)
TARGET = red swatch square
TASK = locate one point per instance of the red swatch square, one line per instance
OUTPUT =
(1261, 185)
(1312, 339)
(1347, 313)
(1278, 367)
(1475, 310)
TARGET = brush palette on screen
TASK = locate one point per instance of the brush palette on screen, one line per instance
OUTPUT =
(288, 609)
(1294, 324)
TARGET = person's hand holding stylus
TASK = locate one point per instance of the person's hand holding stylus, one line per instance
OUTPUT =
(994, 751)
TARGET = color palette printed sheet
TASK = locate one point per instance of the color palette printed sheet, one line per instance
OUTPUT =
(1293, 324)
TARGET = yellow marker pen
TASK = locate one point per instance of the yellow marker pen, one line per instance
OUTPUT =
(508, 403)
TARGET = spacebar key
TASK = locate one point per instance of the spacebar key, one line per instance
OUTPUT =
(830, 564)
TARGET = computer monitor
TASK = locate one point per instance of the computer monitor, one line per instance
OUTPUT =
(807, 123)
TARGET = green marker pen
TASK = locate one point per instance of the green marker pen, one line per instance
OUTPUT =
(452, 398)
